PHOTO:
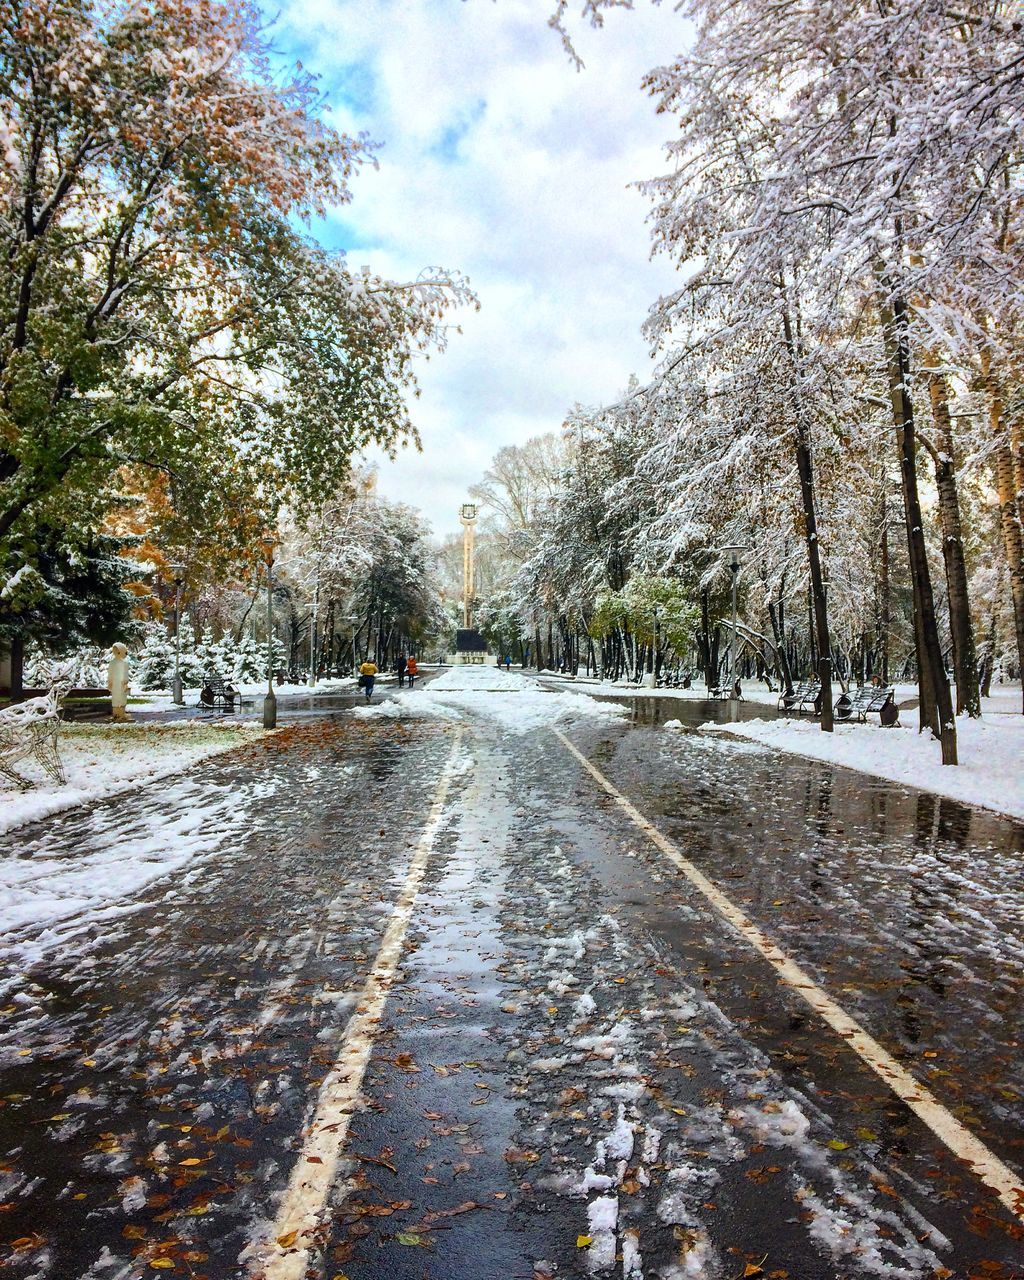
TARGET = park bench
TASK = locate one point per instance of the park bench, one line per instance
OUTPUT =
(867, 700)
(805, 694)
(217, 694)
(31, 728)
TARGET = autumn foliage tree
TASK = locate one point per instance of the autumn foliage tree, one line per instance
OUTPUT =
(158, 307)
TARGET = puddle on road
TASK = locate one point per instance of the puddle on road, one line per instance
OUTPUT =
(690, 712)
(903, 903)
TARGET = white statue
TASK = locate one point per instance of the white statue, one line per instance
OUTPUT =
(117, 681)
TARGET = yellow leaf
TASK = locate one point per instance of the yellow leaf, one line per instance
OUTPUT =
(288, 1239)
(836, 1145)
(867, 1135)
(752, 1269)
(162, 1264)
(583, 1241)
(191, 1161)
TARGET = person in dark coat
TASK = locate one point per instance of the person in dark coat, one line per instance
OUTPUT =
(401, 666)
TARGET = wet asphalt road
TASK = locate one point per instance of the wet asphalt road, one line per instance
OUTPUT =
(579, 1070)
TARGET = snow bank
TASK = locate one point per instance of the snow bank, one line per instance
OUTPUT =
(515, 702)
(991, 752)
(104, 760)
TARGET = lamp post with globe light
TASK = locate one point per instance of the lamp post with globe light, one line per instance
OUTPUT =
(269, 543)
(177, 577)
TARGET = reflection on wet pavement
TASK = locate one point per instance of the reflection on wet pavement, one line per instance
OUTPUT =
(580, 1070)
(906, 906)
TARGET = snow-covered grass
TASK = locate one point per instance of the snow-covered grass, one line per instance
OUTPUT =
(106, 759)
(60, 896)
(990, 750)
(514, 701)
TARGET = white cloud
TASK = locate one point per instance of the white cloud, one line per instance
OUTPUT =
(499, 159)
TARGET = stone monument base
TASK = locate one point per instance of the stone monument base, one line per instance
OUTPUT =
(471, 649)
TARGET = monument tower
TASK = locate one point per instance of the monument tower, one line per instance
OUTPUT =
(467, 514)
(470, 646)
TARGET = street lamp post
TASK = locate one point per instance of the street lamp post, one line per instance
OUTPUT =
(177, 577)
(269, 543)
(734, 569)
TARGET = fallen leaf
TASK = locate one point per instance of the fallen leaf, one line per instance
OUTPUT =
(410, 1238)
(162, 1264)
(288, 1239)
(583, 1241)
(465, 1207)
(835, 1145)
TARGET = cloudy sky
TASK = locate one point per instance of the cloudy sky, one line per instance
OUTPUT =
(498, 158)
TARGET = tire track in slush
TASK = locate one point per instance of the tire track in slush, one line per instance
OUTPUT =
(286, 1251)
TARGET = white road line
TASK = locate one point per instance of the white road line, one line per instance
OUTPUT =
(300, 1217)
(946, 1127)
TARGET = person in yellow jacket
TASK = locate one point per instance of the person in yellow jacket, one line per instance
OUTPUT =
(367, 675)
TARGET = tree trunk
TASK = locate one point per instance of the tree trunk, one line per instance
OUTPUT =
(17, 667)
(785, 675)
(1009, 513)
(932, 682)
(884, 594)
(805, 469)
(708, 660)
(965, 663)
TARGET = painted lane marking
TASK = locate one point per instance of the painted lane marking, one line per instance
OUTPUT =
(943, 1124)
(300, 1216)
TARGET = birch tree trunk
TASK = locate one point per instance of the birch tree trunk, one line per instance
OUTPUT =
(805, 469)
(932, 682)
(965, 661)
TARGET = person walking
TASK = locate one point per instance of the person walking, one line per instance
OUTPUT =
(508, 662)
(411, 670)
(367, 675)
(400, 667)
